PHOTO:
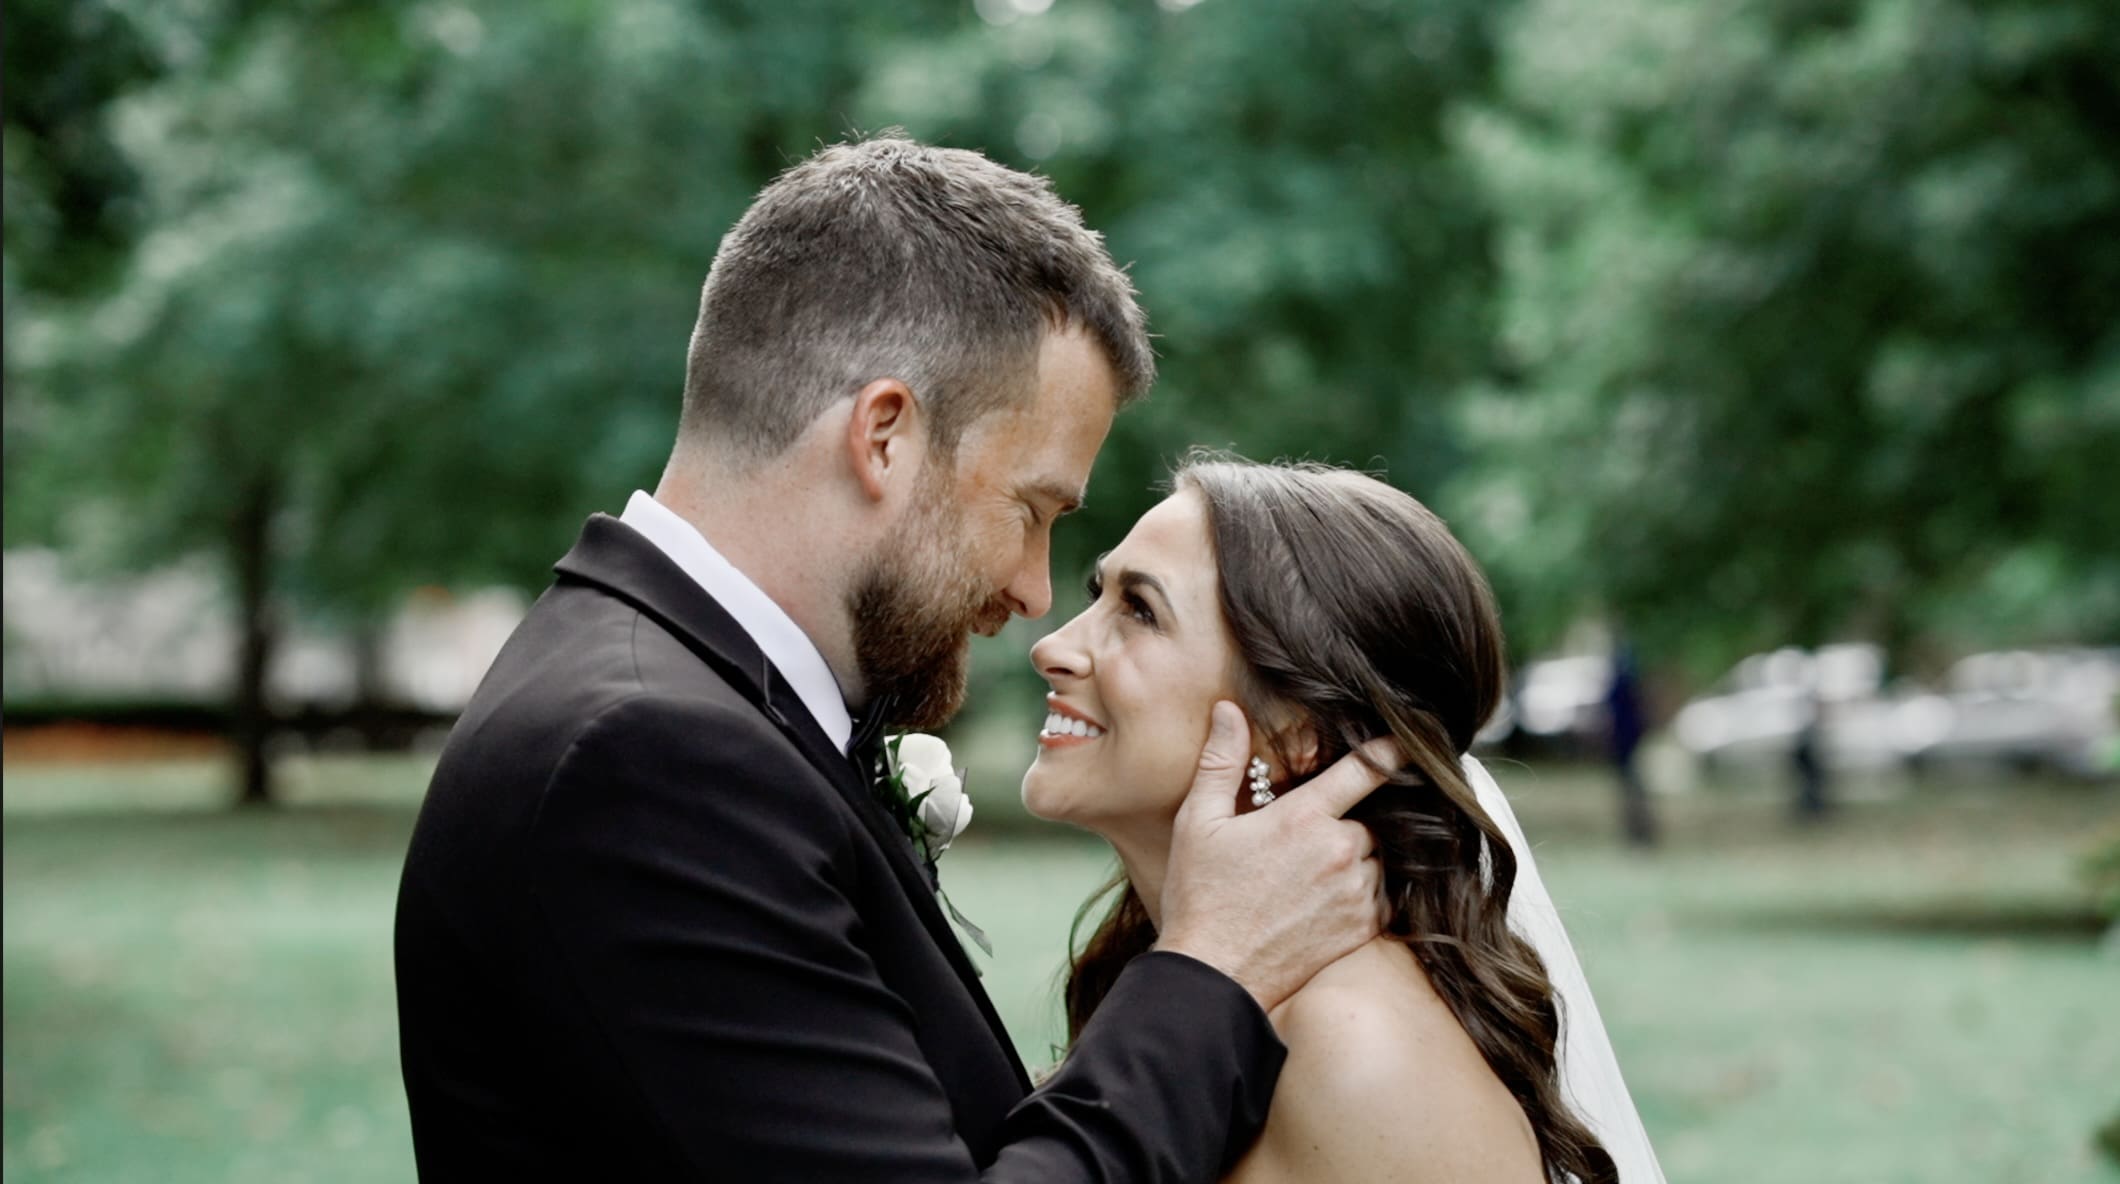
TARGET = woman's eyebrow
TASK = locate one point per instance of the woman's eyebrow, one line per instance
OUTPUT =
(1132, 580)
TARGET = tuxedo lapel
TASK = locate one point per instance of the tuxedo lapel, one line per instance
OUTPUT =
(617, 558)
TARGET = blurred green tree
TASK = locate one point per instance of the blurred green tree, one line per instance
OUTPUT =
(1312, 254)
(69, 210)
(1810, 320)
(412, 289)
(1746, 321)
(415, 280)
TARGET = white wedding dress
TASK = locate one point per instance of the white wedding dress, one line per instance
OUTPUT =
(1589, 1069)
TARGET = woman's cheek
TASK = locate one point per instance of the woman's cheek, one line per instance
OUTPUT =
(1156, 781)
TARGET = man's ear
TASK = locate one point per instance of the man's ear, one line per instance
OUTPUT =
(885, 437)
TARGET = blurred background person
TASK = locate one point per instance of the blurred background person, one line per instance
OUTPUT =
(1807, 760)
(1625, 725)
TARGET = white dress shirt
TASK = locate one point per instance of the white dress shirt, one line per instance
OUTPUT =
(784, 643)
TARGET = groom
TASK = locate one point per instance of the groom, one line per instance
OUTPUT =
(653, 923)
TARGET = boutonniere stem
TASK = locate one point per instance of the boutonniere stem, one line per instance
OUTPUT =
(924, 792)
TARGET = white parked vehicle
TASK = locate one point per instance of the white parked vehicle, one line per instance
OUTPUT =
(2026, 709)
(1760, 709)
(1555, 703)
(1564, 696)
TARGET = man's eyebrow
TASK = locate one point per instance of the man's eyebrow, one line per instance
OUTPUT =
(1067, 497)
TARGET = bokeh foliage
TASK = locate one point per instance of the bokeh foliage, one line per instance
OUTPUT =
(1810, 318)
(1741, 322)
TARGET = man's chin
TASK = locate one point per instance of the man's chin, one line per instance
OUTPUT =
(934, 715)
(991, 626)
(938, 700)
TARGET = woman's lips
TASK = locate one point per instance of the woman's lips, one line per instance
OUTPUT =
(1064, 730)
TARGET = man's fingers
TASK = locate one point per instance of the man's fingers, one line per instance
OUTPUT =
(1214, 788)
(1337, 789)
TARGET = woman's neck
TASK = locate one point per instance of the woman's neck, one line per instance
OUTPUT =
(1146, 859)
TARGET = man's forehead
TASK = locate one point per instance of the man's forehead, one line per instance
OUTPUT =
(1045, 445)
(1043, 452)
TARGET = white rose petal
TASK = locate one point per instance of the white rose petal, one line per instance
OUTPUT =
(945, 812)
(924, 768)
(923, 759)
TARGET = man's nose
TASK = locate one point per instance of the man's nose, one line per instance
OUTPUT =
(1030, 594)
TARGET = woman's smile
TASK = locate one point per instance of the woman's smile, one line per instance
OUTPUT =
(1066, 726)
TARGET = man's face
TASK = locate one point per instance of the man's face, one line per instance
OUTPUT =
(975, 547)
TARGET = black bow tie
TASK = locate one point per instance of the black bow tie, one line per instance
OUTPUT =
(865, 753)
(865, 747)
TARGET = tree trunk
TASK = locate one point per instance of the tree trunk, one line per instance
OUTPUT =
(250, 718)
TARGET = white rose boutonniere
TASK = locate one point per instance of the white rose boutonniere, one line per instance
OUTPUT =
(933, 790)
(927, 794)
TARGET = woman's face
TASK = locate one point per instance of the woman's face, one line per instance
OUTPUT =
(1134, 679)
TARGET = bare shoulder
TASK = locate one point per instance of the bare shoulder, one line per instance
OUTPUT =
(1383, 1084)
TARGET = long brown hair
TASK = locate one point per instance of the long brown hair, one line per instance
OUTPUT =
(1357, 613)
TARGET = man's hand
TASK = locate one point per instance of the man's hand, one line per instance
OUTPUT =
(1272, 897)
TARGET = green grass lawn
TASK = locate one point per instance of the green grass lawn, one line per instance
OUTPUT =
(1914, 993)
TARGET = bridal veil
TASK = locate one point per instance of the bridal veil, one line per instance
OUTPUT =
(1589, 1069)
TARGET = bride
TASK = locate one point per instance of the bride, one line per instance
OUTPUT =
(1462, 1044)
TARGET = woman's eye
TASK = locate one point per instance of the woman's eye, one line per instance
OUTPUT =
(1138, 609)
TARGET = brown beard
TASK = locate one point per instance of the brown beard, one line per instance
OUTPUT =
(914, 610)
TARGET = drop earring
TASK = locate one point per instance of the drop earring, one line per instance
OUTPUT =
(1261, 787)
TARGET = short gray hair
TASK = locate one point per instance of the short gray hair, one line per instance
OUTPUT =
(886, 258)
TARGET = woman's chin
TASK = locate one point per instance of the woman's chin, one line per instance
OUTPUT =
(1041, 798)
(1055, 798)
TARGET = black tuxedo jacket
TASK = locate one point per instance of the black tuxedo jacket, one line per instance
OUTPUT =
(653, 927)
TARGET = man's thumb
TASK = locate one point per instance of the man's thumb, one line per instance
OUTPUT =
(1221, 769)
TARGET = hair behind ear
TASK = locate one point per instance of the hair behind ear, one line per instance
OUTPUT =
(1296, 745)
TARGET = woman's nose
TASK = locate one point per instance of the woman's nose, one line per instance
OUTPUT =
(1059, 655)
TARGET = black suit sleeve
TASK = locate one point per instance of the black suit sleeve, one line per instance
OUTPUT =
(699, 915)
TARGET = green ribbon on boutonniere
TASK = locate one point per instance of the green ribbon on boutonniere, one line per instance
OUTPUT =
(925, 794)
